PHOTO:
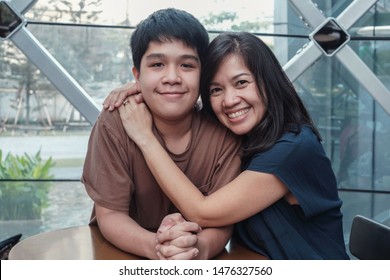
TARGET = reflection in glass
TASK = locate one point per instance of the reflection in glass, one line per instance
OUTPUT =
(330, 37)
(9, 20)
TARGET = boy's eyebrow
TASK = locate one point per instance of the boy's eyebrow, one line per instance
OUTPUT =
(190, 56)
(161, 55)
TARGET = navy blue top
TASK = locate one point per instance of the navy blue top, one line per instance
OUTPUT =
(310, 230)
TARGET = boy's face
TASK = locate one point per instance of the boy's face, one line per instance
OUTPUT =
(169, 79)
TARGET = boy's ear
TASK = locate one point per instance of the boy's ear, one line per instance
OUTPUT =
(135, 73)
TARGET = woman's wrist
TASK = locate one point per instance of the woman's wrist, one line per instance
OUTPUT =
(146, 142)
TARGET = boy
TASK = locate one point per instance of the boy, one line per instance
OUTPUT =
(167, 48)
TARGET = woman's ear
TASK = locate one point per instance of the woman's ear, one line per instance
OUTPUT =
(135, 73)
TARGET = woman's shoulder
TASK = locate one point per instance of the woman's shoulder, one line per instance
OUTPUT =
(292, 146)
(302, 139)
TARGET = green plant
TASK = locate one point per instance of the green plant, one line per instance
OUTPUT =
(25, 199)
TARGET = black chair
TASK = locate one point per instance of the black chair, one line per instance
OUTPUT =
(369, 240)
(6, 246)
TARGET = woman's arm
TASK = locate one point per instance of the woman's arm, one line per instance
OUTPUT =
(245, 196)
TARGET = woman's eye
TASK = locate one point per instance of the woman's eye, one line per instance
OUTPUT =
(241, 83)
(215, 91)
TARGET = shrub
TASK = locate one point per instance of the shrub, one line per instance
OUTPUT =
(21, 200)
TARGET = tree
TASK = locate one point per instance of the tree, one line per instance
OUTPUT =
(226, 20)
(30, 80)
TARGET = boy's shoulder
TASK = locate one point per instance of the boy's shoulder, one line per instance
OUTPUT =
(110, 118)
(210, 126)
(110, 121)
(205, 121)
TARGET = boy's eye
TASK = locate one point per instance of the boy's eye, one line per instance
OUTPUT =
(187, 65)
(157, 64)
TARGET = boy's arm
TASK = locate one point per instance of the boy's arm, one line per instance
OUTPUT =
(123, 232)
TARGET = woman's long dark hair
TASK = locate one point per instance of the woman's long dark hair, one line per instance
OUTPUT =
(284, 110)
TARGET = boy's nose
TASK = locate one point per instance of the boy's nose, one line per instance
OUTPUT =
(172, 75)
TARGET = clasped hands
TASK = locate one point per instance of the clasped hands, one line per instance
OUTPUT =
(176, 239)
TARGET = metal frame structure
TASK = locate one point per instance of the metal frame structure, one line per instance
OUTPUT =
(311, 52)
(50, 67)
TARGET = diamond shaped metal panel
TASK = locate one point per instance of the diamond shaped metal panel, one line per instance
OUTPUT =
(330, 37)
(10, 21)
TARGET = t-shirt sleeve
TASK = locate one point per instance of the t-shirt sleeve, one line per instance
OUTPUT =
(229, 163)
(299, 161)
(105, 173)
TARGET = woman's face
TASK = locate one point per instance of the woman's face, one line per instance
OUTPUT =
(234, 96)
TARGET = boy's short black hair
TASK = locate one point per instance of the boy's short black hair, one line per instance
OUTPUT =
(167, 24)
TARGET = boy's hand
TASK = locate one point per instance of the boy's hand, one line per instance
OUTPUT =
(177, 238)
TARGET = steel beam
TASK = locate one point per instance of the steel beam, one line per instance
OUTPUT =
(354, 12)
(50, 67)
(308, 12)
(57, 75)
(304, 59)
(23, 5)
(365, 76)
(308, 55)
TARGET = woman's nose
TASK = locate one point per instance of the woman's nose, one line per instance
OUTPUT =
(230, 98)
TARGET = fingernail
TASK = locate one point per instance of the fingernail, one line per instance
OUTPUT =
(110, 108)
(196, 252)
(161, 229)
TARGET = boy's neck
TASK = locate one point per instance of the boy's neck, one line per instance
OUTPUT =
(176, 134)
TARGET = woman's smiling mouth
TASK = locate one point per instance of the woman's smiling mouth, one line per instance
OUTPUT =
(238, 114)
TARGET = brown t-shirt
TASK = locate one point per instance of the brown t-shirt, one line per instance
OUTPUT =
(117, 177)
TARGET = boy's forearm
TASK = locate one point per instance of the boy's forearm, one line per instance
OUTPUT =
(127, 235)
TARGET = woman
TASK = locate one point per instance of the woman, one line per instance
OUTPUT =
(285, 201)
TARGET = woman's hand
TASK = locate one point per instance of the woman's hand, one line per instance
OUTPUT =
(116, 97)
(136, 120)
